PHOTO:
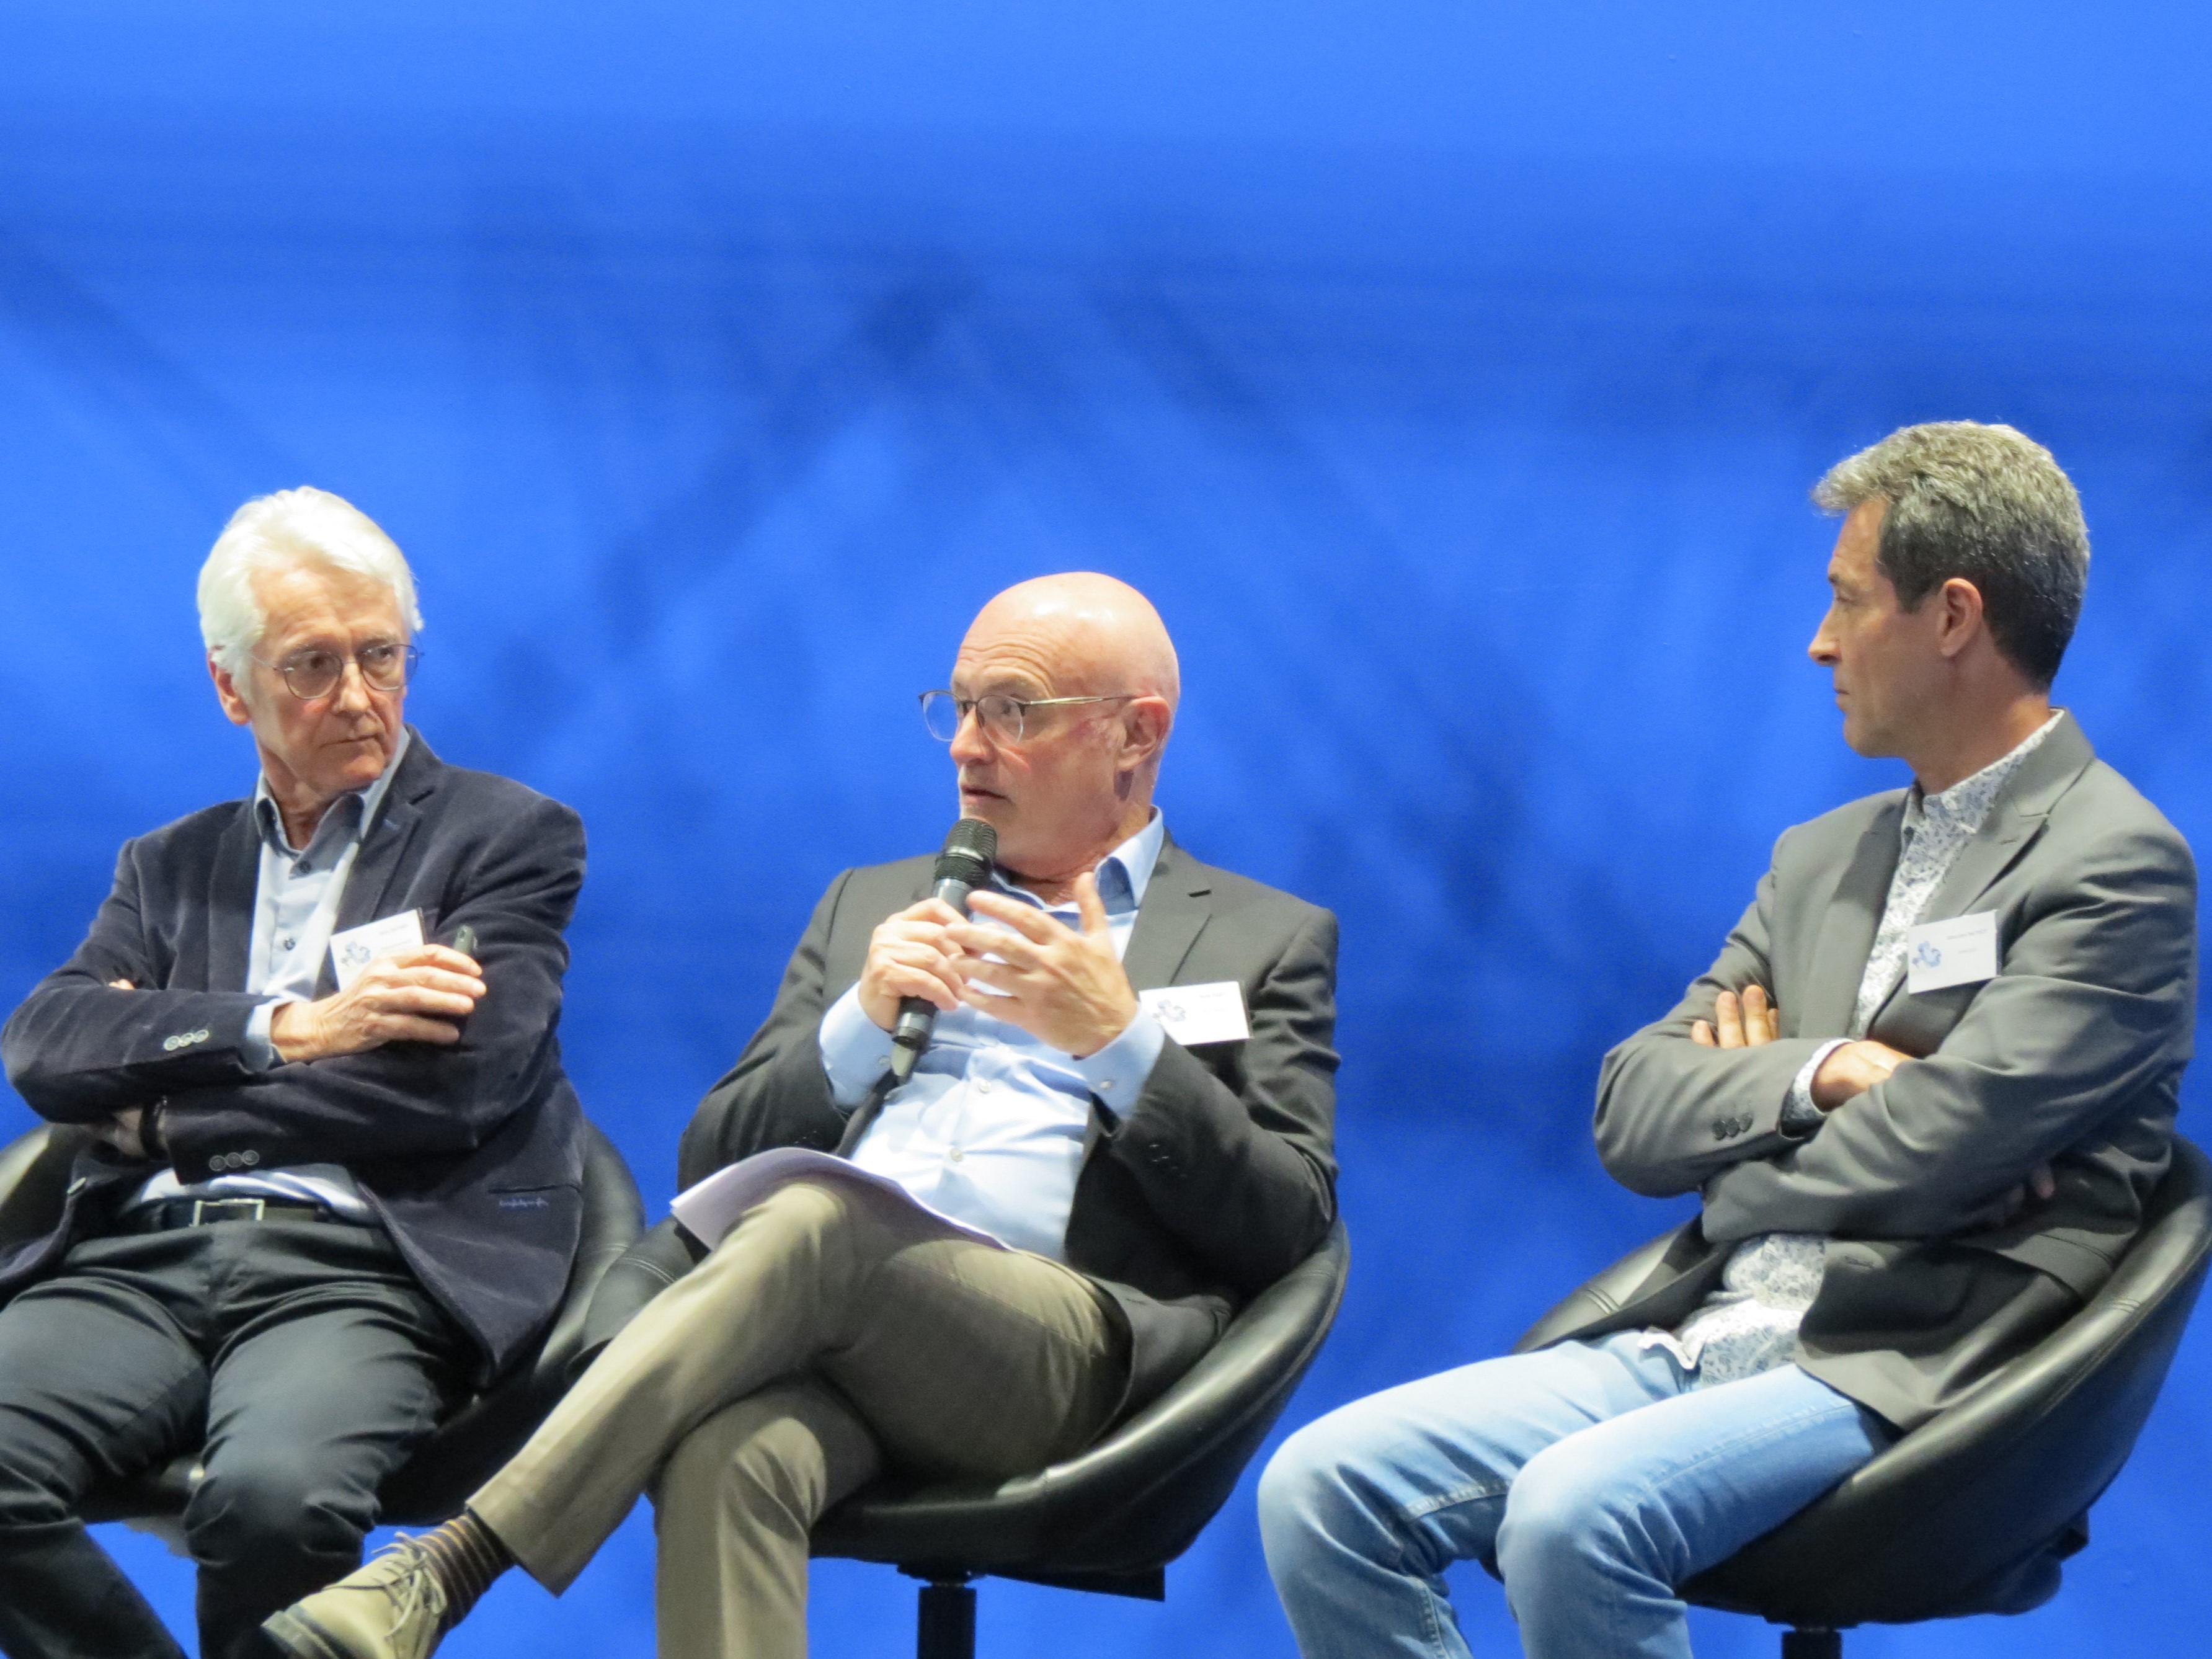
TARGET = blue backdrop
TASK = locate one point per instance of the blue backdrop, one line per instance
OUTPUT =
(1451, 375)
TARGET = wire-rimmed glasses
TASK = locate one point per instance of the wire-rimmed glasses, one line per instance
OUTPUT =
(1004, 719)
(385, 665)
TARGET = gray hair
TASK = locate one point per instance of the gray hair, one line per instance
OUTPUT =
(305, 525)
(1986, 503)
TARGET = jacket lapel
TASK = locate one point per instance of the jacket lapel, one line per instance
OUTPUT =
(2016, 819)
(1848, 922)
(1174, 914)
(231, 885)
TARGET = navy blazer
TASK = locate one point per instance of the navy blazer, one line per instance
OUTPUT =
(470, 1154)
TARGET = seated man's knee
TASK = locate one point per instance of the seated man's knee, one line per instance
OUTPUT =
(1318, 1484)
(777, 1458)
(252, 1508)
(36, 1490)
(1569, 1511)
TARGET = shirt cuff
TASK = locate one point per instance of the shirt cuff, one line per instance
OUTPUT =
(1117, 1072)
(1800, 1117)
(855, 1050)
(260, 1051)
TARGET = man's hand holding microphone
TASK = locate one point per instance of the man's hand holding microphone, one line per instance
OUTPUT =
(1064, 987)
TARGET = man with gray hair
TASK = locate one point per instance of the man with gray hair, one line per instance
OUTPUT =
(1923, 1091)
(327, 1176)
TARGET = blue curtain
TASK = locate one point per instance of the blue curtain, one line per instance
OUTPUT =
(1452, 379)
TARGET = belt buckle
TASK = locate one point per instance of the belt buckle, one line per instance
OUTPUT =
(202, 1206)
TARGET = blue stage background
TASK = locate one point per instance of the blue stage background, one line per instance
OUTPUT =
(1452, 376)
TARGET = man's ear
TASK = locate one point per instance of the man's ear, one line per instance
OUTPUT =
(1145, 728)
(1959, 618)
(226, 694)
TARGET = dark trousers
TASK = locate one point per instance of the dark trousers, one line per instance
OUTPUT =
(303, 1351)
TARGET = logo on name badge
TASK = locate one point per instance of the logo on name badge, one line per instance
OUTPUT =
(1956, 950)
(1193, 1014)
(352, 950)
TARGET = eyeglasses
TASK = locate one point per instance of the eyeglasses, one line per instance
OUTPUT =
(387, 665)
(1004, 719)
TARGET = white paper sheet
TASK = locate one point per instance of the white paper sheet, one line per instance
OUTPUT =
(710, 1209)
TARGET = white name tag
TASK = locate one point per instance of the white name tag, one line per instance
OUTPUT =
(352, 950)
(1192, 1014)
(1959, 951)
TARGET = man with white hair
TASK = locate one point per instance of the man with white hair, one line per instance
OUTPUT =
(332, 1177)
(1124, 1172)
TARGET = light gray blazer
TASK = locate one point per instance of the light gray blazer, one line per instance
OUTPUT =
(2072, 1056)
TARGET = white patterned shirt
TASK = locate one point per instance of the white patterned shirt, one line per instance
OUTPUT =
(1750, 1324)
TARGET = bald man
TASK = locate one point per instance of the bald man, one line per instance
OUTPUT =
(1128, 1170)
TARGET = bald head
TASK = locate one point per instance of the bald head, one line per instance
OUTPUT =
(1089, 636)
(1077, 780)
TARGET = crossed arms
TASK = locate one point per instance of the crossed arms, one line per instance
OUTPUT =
(2091, 1007)
(362, 1077)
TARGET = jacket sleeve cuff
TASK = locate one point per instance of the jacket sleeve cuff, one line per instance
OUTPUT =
(1117, 1074)
(855, 1050)
(1800, 1117)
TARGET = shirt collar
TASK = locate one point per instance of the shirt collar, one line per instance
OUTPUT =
(1123, 874)
(370, 797)
(1967, 802)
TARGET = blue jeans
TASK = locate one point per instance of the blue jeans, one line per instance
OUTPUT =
(1588, 1477)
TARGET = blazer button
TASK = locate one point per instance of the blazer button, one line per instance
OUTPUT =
(249, 1159)
(215, 1162)
(1719, 1128)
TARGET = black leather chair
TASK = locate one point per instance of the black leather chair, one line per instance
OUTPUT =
(1111, 1519)
(467, 1447)
(1973, 1511)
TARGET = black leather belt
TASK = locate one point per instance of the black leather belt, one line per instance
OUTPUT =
(170, 1212)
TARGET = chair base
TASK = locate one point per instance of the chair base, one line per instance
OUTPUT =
(947, 1626)
(1812, 1645)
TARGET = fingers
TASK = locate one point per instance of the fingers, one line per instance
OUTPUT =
(1031, 923)
(977, 943)
(923, 974)
(2042, 1181)
(393, 973)
(120, 985)
(408, 1027)
(1701, 1034)
(436, 956)
(935, 910)
(1761, 1018)
(1092, 908)
(1727, 1018)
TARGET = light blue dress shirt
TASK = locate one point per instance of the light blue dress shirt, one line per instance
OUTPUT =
(992, 1129)
(296, 907)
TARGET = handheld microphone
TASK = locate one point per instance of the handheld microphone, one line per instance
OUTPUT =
(964, 866)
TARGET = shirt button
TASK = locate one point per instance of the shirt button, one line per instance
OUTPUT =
(956, 1155)
(1105, 1082)
(287, 943)
(983, 1087)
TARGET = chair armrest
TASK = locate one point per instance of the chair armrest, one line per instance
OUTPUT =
(1612, 1290)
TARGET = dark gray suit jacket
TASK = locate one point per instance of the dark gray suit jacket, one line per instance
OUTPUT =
(2071, 1056)
(1218, 1182)
(470, 1154)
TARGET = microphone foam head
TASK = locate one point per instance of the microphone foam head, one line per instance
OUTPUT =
(971, 846)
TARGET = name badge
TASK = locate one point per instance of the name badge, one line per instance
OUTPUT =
(1193, 1014)
(352, 950)
(1959, 951)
